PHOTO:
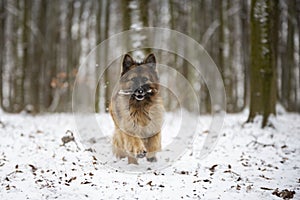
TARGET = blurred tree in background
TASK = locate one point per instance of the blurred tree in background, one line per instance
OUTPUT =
(43, 42)
(263, 61)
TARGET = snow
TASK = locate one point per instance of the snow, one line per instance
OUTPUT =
(247, 163)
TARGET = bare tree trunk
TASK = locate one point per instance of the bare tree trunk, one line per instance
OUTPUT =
(298, 25)
(262, 71)
(98, 40)
(144, 12)
(126, 18)
(143, 5)
(245, 49)
(53, 36)
(221, 40)
(36, 58)
(230, 71)
(41, 55)
(14, 63)
(289, 64)
(108, 88)
(71, 62)
(26, 75)
(2, 41)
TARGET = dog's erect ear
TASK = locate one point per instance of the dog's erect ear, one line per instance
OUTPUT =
(150, 61)
(127, 63)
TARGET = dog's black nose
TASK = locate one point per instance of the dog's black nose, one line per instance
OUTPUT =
(140, 91)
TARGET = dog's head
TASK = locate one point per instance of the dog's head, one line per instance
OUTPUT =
(139, 80)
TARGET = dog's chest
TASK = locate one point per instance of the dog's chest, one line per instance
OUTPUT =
(143, 123)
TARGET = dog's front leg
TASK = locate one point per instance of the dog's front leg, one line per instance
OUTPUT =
(153, 145)
(134, 147)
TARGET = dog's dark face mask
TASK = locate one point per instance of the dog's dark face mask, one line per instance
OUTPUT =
(141, 88)
(139, 80)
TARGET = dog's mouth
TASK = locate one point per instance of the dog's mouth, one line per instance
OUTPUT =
(139, 97)
(139, 94)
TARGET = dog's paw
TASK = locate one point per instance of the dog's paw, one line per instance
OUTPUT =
(141, 154)
(152, 159)
(138, 152)
(136, 148)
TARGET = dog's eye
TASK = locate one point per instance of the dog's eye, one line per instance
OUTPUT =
(133, 79)
(144, 79)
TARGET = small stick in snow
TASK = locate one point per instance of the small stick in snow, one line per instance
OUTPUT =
(2, 125)
(256, 142)
(69, 138)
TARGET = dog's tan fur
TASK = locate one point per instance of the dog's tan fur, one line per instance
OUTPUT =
(137, 123)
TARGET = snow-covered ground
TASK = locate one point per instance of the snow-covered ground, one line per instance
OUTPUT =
(40, 160)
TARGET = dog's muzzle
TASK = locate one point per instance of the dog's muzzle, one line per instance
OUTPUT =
(139, 94)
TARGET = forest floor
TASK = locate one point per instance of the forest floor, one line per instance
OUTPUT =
(247, 163)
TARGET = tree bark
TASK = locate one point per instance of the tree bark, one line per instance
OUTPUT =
(41, 55)
(2, 41)
(298, 25)
(108, 88)
(245, 49)
(262, 69)
(289, 64)
(98, 40)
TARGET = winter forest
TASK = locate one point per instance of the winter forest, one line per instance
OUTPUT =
(44, 42)
(255, 45)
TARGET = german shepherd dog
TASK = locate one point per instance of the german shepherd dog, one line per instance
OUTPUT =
(137, 110)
